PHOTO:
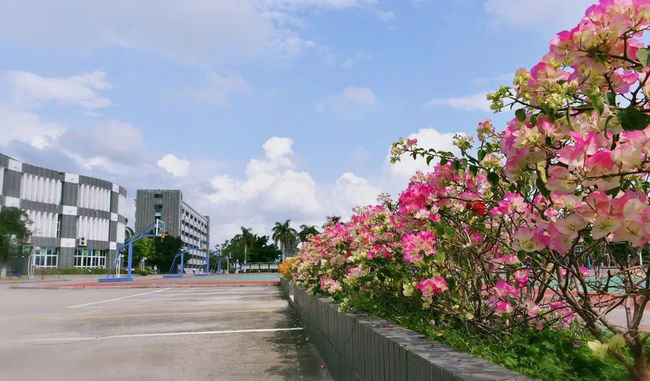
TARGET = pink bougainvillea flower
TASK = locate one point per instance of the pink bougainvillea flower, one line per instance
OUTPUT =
(504, 308)
(503, 290)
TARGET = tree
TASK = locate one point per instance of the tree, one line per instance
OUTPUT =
(306, 231)
(285, 235)
(255, 248)
(142, 250)
(332, 220)
(14, 230)
(248, 239)
(164, 251)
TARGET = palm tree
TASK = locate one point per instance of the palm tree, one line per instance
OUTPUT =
(248, 239)
(332, 220)
(306, 231)
(285, 235)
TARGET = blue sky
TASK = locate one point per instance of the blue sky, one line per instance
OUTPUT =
(259, 110)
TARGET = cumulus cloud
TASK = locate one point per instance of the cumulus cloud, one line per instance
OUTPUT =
(116, 141)
(469, 103)
(272, 183)
(274, 187)
(427, 138)
(174, 166)
(550, 14)
(29, 89)
(349, 102)
(26, 127)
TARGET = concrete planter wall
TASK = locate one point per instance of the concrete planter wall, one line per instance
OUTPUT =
(364, 348)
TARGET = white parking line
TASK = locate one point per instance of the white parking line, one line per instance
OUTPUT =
(163, 334)
(115, 299)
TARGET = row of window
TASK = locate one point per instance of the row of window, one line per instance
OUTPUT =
(90, 258)
(48, 257)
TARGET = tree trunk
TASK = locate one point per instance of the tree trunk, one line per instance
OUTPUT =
(640, 363)
(283, 252)
(3, 272)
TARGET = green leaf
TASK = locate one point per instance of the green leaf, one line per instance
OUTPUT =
(632, 119)
(443, 161)
(541, 171)
(521, 115)
(493, 179)
(542, 187)
(440, 257)
(597, 102)
(456, 165)
(644, 56)
(429, 158)
(473, 169)
(611, 98)
(533, 120)
(481, 154)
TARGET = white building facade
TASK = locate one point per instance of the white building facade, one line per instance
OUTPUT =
(76, 221)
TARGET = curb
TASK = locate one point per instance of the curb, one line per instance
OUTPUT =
(149, 285)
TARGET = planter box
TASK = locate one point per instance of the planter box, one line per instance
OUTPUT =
(360, 347)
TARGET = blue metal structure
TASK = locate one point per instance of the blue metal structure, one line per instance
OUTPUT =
(214, 253)
(181, 255)
(154, 230)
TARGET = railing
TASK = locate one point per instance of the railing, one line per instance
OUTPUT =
(259, 267)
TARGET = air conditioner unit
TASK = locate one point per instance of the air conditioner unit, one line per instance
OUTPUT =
(81, 241)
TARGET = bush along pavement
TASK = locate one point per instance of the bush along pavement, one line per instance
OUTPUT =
(537, 232)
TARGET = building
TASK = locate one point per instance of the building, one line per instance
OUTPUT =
(181, 220)
(76, 221)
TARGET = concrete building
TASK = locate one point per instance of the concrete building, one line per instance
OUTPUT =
(181, 220)
(77, 221)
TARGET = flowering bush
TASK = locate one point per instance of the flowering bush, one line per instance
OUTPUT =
(541, 225)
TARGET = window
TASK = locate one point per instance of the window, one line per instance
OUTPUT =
(157, 195)
(90, 258)
(46, 257)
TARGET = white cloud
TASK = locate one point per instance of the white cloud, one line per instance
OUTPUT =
(190, 31)
(174, 166)
(551, 14)
(220, 87)
(468, 103)
(427, 138)
(29, 89)
(274, 188)
(349, 102)
(26, 127)
(351, 190)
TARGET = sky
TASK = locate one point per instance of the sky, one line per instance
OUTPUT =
(258, 110)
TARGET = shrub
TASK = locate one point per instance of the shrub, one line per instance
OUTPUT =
(502, 240)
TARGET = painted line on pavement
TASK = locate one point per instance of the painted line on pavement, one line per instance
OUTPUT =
(116, 299)
(163, 334)
(122, 316)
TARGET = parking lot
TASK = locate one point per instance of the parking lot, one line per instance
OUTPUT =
(167, 333)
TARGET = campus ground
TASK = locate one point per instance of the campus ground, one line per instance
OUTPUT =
(156, 333)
